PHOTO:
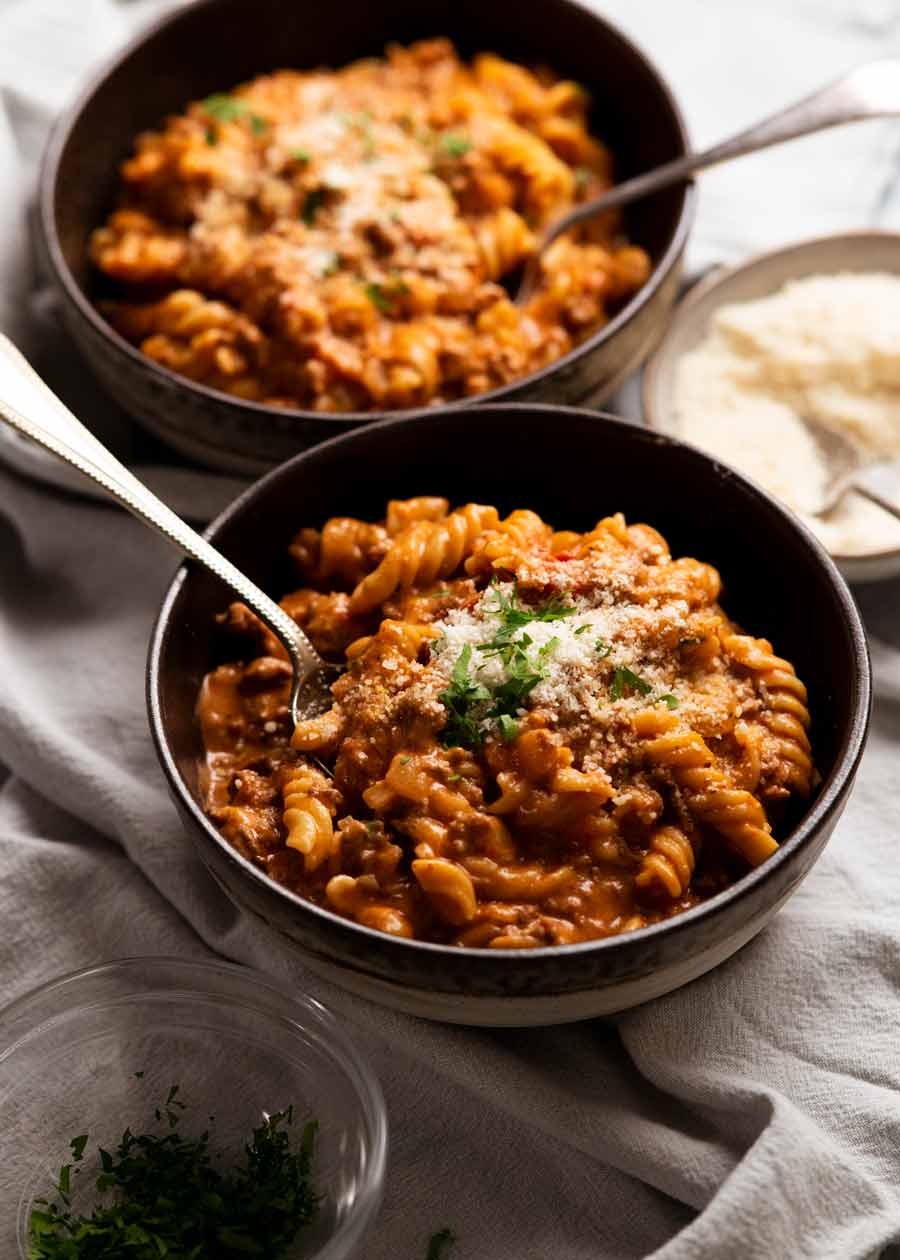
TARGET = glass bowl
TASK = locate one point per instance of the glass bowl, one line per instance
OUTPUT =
(99, 1050)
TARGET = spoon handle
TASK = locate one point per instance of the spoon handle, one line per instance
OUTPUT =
(859, 487)
(30, 407)
(870, 91)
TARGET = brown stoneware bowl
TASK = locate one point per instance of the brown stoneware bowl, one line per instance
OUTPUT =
(572, 466)
(211, 44)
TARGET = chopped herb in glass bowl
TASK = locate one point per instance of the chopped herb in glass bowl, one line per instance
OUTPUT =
(163, 1193)
(167, 1109)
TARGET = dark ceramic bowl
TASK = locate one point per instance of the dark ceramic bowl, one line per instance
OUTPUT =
(211, 44)
(572, 467)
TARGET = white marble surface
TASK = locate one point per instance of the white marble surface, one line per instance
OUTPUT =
(730, 63)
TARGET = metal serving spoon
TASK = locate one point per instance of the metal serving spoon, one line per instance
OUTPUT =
(869, 91)
(847, 463)
(30, 407)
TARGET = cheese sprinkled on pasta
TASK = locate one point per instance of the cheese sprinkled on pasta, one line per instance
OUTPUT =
(541, 736)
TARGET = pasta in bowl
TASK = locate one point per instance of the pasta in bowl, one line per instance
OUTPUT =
(335, 240)
(316, 240)
(587, 818)
(541, 737)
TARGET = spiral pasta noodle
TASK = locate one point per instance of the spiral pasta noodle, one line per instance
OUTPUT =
(787, 716)
(336, 240)
(541, 736)
(424, 551)
(308, 821)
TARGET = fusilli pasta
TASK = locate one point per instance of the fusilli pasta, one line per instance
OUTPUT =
(540, 737)
(335, 239)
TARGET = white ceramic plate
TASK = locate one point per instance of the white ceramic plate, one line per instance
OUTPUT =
(758, 277)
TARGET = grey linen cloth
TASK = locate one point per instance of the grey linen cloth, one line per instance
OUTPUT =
(755, 1113)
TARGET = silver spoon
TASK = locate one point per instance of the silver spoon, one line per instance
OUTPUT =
(869, 91)
(847, 463)
(30, 407)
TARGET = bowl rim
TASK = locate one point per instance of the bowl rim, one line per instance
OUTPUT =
(828, 800)
(721, 275)
(323, 1027)
(46, 222)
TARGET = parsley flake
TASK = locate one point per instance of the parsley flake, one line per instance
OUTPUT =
(455, 146)
(670, 701)
(386, 296)
(602, 648)
(458, 699)
(227, 108)
(624, 677)
(300, 155)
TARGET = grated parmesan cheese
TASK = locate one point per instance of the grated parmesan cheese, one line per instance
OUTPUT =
(827, 347)
(576, 688)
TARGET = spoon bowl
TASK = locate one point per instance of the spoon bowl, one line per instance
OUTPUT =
(847, 463)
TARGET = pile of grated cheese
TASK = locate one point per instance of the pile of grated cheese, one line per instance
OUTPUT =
(576, 683)
(827, 347)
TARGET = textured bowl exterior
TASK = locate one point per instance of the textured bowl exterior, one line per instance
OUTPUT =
(573, 466)
(636, 113)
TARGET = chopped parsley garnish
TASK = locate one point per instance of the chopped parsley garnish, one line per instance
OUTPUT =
(689, 642)
(458, 699)
(455, 146)
(469, 702)
(386, 296)
(300, 155)
(225, 108)
(311, 206)
(624, 677)
(164, 1200)
(513, 615)
(439, 1245)
(582, 629)
(602, 648)
(582, 179)
(670, 701)
(212, 136)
